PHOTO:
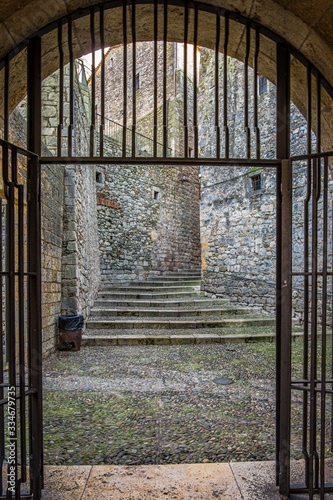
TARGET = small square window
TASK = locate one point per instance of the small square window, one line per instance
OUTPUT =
(262, 84)
(137, 81)
(256, 182)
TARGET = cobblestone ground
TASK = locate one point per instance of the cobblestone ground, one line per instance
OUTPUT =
(163, 404)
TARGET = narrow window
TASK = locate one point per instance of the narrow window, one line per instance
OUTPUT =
(156, 195)
(256, 182)
(99, 178)
(190, 152)
(262, 84)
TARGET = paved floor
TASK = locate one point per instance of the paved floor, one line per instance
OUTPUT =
(234, 481)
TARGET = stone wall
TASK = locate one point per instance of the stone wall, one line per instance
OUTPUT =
(148, 219)
(71, 268)
(52, 235)
(238, 224)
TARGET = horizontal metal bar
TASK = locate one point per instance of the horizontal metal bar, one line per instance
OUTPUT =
(19, 150)
(311, 156)
(6, 273)
(159, 161)
(319, 273)
(26, 393)
(304, 388)
(295, 488)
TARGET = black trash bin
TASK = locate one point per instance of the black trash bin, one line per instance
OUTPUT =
(70, 332)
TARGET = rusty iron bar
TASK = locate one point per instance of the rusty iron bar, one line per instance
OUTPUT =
(133, 79)
(217, 93)
(246, 92)
(71, 87)
(93, 82)
(313, 479)
(225, 85)
(283, 269)
(195, 84)
(306, 282)
(155, 76)
(124, 76)
(2, 416)
(165, 102)
(323, 334)
(186, 147)
(34, 307)
(102, 39)
(255, 92)
(61, 91)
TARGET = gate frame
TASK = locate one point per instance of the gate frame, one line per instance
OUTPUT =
(283, 166)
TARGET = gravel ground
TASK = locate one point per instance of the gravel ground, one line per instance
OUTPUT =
(163, 404)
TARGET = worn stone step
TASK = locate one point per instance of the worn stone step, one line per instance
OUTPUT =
(174, 278)
(186, 302)
(130, 323)
(154, 284)
(179, 312)
(151, 288)
(179, 338)
(147, 295)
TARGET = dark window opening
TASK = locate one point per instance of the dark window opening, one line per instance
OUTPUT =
(262, 84)
(256, 182)
(99, 177)
(190, 152)
(137, 82)
(156, 195)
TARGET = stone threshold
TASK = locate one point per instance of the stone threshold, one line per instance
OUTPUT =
(204, 481)
(146, 339)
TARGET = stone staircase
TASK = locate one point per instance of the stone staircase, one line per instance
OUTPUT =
(170, 309)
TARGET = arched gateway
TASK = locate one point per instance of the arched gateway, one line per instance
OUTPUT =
(264, 53)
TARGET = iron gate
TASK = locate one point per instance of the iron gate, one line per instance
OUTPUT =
(20, 272)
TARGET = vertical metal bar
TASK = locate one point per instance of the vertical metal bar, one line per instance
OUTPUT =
(93, 81)
(255, 93)
(217, 93)
(102, 124)
(2, 419)
(195, 83)
(125, 76)
(285, 340)
(11, 338)
(324, 340)
(133, 80)
(186, 148)
(246, 92)
(61, 89)
(318, 111)
(165, 109)
(313, 353)
(21, 312)
(283, 272)
(71, 87)
(34, 266)
(306, 285)
(155, 76)
(6, 101)
(225, 84)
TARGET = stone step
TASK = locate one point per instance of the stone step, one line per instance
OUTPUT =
(154, 284)
(147, 295)
(131, 323)
(151, 288)
(97, 313)
(186, 302)
(189, 277)
(179, 338)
